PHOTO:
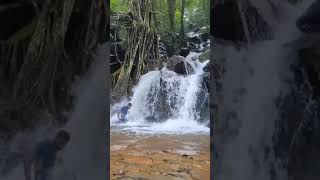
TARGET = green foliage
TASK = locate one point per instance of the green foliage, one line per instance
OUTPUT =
(198, 12)
(119, 6)
(178, 20)
(204, 56)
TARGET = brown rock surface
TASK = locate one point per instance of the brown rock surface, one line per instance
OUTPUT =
(169, 157)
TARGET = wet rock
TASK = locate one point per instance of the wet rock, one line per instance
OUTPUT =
(202, 103)
(192, 46)
(162, 49)
(205, 44)
(204, 37)
(179, 65)
(309, 22)
(207, 68)
(162, 109)
(183, 68)
(205, 56)
(198, 50)
(195, 40)
(184, 52)
(173, 61)
(163, 60)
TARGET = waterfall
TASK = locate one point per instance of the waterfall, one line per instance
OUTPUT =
(254, 78)
(166, 102)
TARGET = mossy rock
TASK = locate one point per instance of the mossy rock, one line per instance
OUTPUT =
(205, 56)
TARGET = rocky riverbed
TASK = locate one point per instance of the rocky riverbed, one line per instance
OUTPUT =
(171, 157)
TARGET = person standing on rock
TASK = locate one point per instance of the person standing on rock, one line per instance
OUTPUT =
(39, 164)
(123, 112)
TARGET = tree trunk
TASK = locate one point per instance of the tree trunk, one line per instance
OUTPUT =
(43, 50)
(140, 46)
(154, 7)
(171, 14)
(182, 17)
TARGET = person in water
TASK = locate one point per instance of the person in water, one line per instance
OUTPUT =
(123, 112)
(40, 162)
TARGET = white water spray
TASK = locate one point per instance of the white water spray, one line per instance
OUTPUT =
(177, 93)
(85, 155)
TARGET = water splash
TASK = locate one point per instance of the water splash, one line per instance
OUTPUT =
(165, 102)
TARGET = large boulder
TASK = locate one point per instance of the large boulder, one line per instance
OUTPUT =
(183, 68)
(179, 65)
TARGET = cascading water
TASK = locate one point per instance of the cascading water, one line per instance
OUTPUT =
(254, 78)
(166, 102)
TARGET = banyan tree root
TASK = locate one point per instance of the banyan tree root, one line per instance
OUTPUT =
(45, 55)
(45, 52)
(142, 47)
